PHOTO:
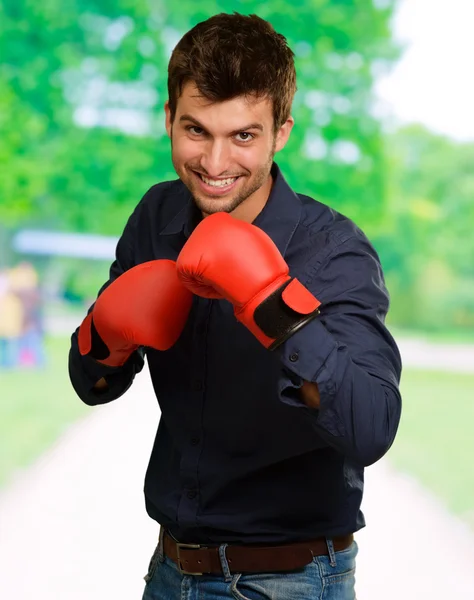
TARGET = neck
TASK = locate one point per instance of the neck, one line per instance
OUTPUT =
(249, 209)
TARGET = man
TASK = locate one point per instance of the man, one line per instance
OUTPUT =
(261, 313)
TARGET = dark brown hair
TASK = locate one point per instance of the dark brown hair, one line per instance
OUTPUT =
(232, 55)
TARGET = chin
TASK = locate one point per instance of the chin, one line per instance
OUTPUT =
(210, 207)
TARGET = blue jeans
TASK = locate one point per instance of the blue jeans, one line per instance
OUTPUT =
(325, 578)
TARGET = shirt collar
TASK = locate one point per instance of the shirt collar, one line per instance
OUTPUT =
(281, 214)
(180, 220)
(279, 217)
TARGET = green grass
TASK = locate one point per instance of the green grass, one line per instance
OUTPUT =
(35, 408)
(441, 336)
(435, 441)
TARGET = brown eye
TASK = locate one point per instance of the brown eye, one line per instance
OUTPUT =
(245, 136)
(195, 130)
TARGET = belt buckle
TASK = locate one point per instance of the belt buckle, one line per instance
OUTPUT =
(180, 546)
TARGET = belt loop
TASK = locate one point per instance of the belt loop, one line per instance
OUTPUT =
(161, 551)
(224, 563)
(332, 554)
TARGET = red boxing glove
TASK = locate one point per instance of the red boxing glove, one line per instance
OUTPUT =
(231, 259)
(146, 306)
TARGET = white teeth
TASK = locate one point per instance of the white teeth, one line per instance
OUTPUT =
(218, 182)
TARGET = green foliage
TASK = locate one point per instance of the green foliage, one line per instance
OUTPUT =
(82, 62)
(82, 85)
(38, 407)
(335, 151)
(57, 57)
(427, 246)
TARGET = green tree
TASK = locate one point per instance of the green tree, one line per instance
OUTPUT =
(426, 244)
(75, 76)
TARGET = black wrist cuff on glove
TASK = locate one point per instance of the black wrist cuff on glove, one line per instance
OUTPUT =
(277, 320)
(99, 349)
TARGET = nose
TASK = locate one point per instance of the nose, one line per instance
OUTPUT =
(216, 157)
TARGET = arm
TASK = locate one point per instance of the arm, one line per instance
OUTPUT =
(344, 366)
(326, 327)
(146, 306)
(95, 383)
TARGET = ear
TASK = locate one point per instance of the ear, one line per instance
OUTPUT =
(283, 134)
(168, 119)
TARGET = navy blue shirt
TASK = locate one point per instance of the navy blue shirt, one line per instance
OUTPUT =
(238, 457)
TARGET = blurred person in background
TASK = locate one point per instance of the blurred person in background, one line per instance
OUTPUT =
(262, 316)
(11, 323)
(24, 284)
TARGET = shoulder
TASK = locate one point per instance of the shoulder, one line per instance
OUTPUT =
(340, 263)
(162, 202)
(330, 230)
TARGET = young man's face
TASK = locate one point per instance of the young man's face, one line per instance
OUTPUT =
(223, 151)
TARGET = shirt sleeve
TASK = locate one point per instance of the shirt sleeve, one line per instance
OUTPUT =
(84, 371)
(349, 353)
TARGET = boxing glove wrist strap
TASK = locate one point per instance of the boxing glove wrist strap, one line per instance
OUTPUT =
(281, 314)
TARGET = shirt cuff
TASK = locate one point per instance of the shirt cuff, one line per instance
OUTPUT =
(94, 370)
(85, 372)
(311, 355)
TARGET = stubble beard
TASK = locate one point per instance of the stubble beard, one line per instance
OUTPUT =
(209, 206)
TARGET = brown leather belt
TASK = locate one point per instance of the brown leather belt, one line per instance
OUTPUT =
(194, 559)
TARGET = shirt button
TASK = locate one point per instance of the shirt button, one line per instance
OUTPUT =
(294, 357)
(192, 494)
(197, 385)
(195, 441)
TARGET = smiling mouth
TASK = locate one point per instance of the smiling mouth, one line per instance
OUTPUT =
(217, 183)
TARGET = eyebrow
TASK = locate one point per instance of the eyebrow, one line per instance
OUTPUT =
(258, 126)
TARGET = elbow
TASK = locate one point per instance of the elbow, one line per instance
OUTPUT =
(369, 454)
(376, 435)
(361, 421)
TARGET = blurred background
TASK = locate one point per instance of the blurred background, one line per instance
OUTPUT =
(384, 134)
